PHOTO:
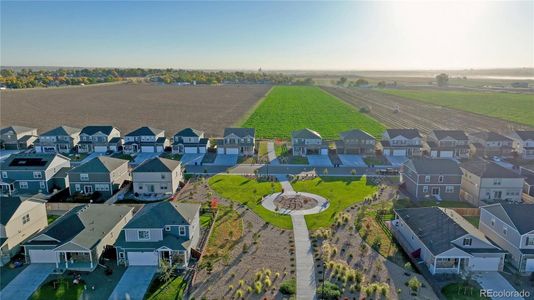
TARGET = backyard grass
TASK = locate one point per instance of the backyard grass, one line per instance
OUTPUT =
(506, 106)
(250, 192)
(289, 108)
(171, 156)
(340, 192)
(460, 291)
(205, 219)
(226, 234)
(64, 290)
(127, 157)
(52, 218)
(474, 220)
(174, 289)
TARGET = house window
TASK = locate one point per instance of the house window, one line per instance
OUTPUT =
(163, 186)
(504, 230)
(468, 241)
(37, 175)
(77, 187)
(101, 187)
(449, 189)
(121, 255)
(440, 178)
(427, 178)
(143, 235)
(84, 177)
(4, 174)
(181, 230)
(492, 222)
(497, 181)
(42, 185)
(530, 241)
(162, 175)
(23, 184)
(167, 228)
(25, 219)
(425, 189)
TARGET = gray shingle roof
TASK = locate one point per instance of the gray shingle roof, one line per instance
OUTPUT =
(306, 133)
(157, 215)
(30, 161)
(158, 164)
(490, 136)
(455, 134)
(92, 129)
(434, 166)
(145, 131)
(407, 133)
(16, 129)
(525, 135)
(61, 131)
(189, 132)
(100, 164)
(240, 132)
(520, 216)
(356, 134)
(486, 169)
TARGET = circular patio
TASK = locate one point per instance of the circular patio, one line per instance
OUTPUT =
(295, 203)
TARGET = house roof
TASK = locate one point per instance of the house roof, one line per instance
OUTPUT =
(100, 164)
(158, 215)
(407, 133)
(9, 205)
(306, 134)
(30, 161)
(525, 135)
(486, 169)
(356, 134)
(455, 134)
(490, 136)
(146, 131)
(434, 166)
(189, 132)
(84, 225)
(519, 216)
(62, 130)
(16, 129)
(92, 129)
(158, 164)
(240, 132)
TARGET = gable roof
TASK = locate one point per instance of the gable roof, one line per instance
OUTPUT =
(145, 131)
(519, 216)
(356, 134)
(486, 169)
(434, 166)
(92, 129)
(306, 133)
(16, 129)
(240, 132)
(189, 132)
(158, 164)
(407, 133)
(490, 136)
(62, 130)
(455, 134)
(30, 161)
(100, 164)
(525, 135)
(9, 205)
(158, 215)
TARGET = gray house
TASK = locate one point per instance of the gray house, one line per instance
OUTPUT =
(99, 139)
(511, 226)
(157, 176)
(17, 137)
(448, 144)
(433, 178)
(524, 143)
(160, 231)
(32, 173)
(356, 141)
(240, 141)
(308, 142)
(77, 239)
(490, 144)
(401, 142)
(146, 140)
(101, 174)
(444, 241)
(61, 139)
(189, 140)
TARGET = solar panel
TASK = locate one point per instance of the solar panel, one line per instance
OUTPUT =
(28, 162)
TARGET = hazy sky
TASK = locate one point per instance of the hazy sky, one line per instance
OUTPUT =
(271, 35)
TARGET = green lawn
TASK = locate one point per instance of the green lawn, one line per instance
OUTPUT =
(169, 291)
(127, 157)
(341, 192)
(205, 219)
(512, 107)
(289, 108)
(474, 220)
(250, 192)
(458, 291)
(52, 218)
(64, 290)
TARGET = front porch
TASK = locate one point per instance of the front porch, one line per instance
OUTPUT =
(85, 148)
(130, 148)
(448, 265)
(7, 187)
(76, 260)
(176, 258)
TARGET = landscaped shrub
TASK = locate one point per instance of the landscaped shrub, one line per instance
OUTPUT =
(276, 275)
(259, 275)
(329, 291)
(239, 294)
(258, 287)
(288, 287)
(414, 284)
(241, 283)
(267, 282)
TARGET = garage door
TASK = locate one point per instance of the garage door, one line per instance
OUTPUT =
(401, 152)
(220, 150)
(42, 256)
(202, 150)
(530, 265)
(446, 154)
(484, 263)
(159, 148)
(232, 151)
(434, 153)
(190, 149)
(101, 148)
(147, 149)
(142, 258)
(324, 151)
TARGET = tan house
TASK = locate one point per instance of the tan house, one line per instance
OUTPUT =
(20, 218)
(17, 137)
(157, 176)
(490, 144)
(448, 144)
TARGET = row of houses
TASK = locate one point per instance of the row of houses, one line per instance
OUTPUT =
(394, 142)
(446, 243)
(31, 173)
(164, 231)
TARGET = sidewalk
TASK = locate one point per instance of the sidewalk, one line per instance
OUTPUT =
(272, 154)
(306, 287)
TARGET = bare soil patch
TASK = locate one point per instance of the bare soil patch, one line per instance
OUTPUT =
(295, 202)
(130, 106)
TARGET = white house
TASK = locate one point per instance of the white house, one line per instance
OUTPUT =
(401, 142)
(157, 176)
(146, 140)
(524, 143)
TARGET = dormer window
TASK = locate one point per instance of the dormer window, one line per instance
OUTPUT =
(427, 178)
(468, 241)
(181, 230)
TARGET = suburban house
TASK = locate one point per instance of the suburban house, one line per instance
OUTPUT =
(239, 141)
(523, 143)
(448, 144)
(401, 142)
(308, 142)
(485, 181)
(99, 139)
(157, 176)
(76, 240)
(511, 227)
(61, 139)
(32, 173)
(101, 174)
(489, 143)
(189, 140)
(356, 141)
(432, 178)
(17, 137)
(444, 241)
(145, 139)
(164, 231)
(528, 174)
(20, 217)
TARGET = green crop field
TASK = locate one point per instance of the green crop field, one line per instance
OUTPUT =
(512, 107)
(288, 108)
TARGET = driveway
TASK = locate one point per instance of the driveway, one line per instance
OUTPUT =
(225, 160)
(134, 283)
(192, 158)
(396, 160)
(351, 160)
(319, 161)
(23, 286)
(495, 282)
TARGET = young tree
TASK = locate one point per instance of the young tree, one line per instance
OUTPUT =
(442, 79)
(166, 271)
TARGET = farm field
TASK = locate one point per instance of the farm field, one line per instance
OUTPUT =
(129, 106)
(288, 108)
(513, 107)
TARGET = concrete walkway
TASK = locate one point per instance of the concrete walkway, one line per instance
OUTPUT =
(273, 160)
(23, 286)
(134, 283)
(306, 287)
